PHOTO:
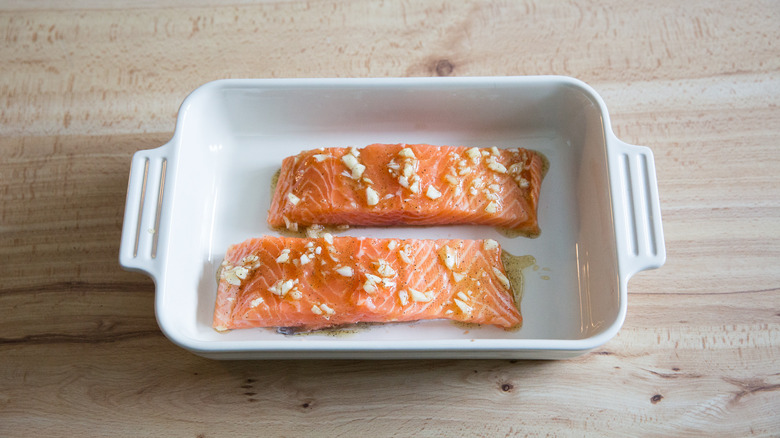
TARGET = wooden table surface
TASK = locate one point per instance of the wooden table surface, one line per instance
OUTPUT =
(87, 83)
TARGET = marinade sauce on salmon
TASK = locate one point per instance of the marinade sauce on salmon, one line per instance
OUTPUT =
(418, 184)
(315, 283)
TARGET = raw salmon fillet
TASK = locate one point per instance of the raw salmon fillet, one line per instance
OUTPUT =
(419, 184)
(314, 283)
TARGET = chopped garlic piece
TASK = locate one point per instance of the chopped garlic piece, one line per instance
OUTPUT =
(241, 272)
(314, 231)
(406, 153)
(373, 278)
(491, 207)
(256, 302)
(451, 180)
(231, 278)
(370, 287)
(433, 193)
(404, 297)
(285, 287)
(292, 226)
(465, 308)
(316, 309)
(473, 153)
(294, 200)
(420, 296)
(295, 294)
(345, 271)
(458, 276)
(405, 254)
(358, 170)
(284, 257)
(321, 157)
(495, 166)
(448, 256)
(490, 244)
(372, 197)
(516, 168)
(408, 170)
(502, 278)
(463, 296)
(281, 287)
(305, 259)
(391, 245)
(349, 160)
(328, 238)
(384, 269)
(327, 309)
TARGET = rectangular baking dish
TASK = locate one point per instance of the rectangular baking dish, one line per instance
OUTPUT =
(210, 186)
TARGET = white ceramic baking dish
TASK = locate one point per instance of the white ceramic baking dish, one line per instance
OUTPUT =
(209, 187)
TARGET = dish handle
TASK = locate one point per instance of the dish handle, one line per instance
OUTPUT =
(637, 209)
(139, 248)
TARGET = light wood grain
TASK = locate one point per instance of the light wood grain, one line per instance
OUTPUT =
(87, 83)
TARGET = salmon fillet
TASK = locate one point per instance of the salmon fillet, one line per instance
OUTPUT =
(419, 184)
(314, 283)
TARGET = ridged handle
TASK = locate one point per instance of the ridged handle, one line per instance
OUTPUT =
(143, 210)
(637, 209)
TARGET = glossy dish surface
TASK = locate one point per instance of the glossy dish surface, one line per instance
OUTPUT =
(210, 187)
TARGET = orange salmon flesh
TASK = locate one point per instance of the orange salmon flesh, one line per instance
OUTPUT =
(399, 184)
(315, 283)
